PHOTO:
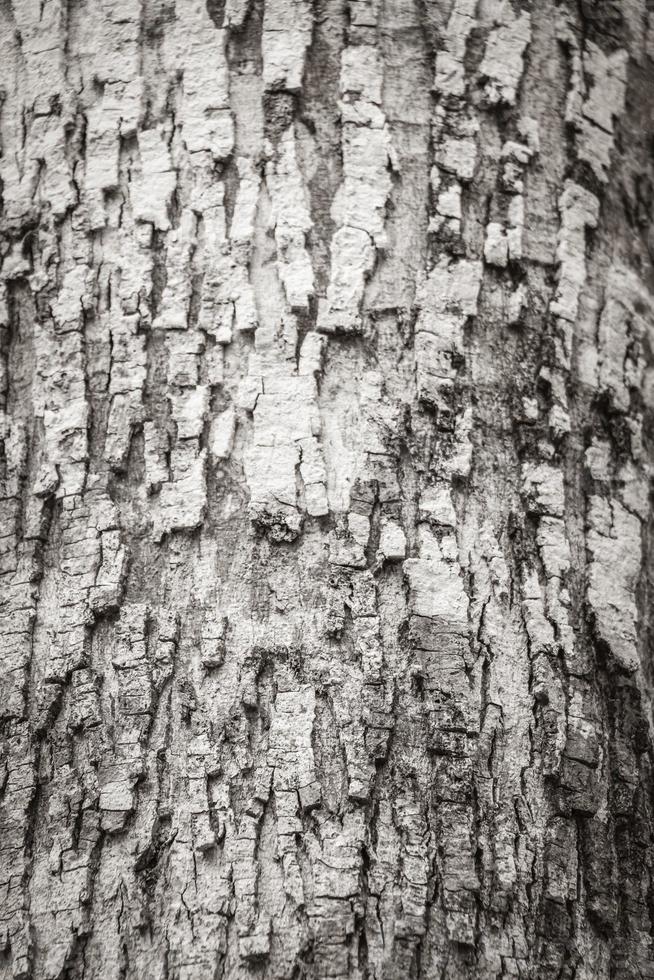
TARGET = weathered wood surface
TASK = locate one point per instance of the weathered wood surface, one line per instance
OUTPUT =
(326, 399)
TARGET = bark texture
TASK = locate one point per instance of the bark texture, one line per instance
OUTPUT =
(326, 401)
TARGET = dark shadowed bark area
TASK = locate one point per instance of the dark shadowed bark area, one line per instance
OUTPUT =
(326, 402)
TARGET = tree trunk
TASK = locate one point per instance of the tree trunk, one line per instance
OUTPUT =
(327, 390)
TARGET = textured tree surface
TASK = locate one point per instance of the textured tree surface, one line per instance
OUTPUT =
(326, 401)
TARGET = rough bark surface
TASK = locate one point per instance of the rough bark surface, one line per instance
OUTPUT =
(326, 401)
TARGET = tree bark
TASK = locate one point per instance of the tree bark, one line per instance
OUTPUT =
(326, 395)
